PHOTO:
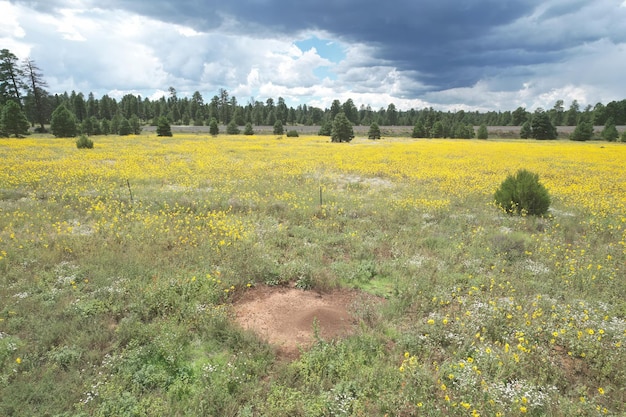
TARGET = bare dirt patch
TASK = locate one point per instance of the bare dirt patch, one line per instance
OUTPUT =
(284, 317)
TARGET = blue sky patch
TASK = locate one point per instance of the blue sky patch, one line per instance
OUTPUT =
(331, 50)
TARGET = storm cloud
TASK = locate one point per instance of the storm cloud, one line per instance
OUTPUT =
(472, 54)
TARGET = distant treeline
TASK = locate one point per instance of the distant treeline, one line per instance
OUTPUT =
(224, 108)
(105, 114)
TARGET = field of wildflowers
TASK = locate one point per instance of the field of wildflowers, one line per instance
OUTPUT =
(118, 267)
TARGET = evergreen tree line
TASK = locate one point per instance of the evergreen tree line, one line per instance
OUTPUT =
(23, 84)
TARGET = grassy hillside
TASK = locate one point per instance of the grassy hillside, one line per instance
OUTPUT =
(119, 267)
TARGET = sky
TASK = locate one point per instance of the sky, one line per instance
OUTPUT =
(447, 54)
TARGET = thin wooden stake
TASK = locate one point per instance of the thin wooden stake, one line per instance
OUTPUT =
(129, 191)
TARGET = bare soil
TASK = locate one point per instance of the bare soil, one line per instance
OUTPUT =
(284, 317)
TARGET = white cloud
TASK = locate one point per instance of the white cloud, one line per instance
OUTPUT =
(68, 24)
(188, 32)
(10, 26)
(11, 32)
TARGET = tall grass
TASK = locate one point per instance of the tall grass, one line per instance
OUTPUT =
(119, 266)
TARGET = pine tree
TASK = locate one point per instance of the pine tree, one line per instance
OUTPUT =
(124, 129)
(10, 77)
(374, 132)
(609, 133)
(105, 126)
(437, 131)
(36, 93)
(248, 129)
(326, 129)
(342, 129)
(13, 120)
(583, 131)
(232, 128)
(214, 129)
(278, 127)
(482, 132)
(86, 127)
(419, 130)
(163, 127)
(135, 124)
(542, 126)
(63, 123)
(526, 131)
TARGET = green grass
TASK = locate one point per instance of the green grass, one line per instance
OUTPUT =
(116, 307)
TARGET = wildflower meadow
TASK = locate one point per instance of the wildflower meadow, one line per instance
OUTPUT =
(119, 267)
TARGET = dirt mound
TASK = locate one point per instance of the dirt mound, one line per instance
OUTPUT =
(285, 316)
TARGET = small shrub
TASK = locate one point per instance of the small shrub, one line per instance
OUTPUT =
(483, 133)
(232, 128)
(374, 132)
(325, 129)
(292, 134)
(278, 128)
(583, 132)
(214, 128)
(83, 142)
(523, 194)
(419, 131)
(163, 127)
(526, 131)
(511, 246)
(65, 356)
(609, 133)
(124, 129)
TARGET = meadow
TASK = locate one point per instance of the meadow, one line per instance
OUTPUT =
(119, 267)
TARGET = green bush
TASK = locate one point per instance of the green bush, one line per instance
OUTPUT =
(232, 128)
(609, 133)
(124, 129)
(214, 128)
(325, 129)
(523, 194)
(583, 132)
(292, 134)
(63, 122)
(278, 128)
(374, 132)
(483, 133)
(163, 127)
(83, 142)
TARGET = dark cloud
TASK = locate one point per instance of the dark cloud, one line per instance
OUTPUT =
(429, 46)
